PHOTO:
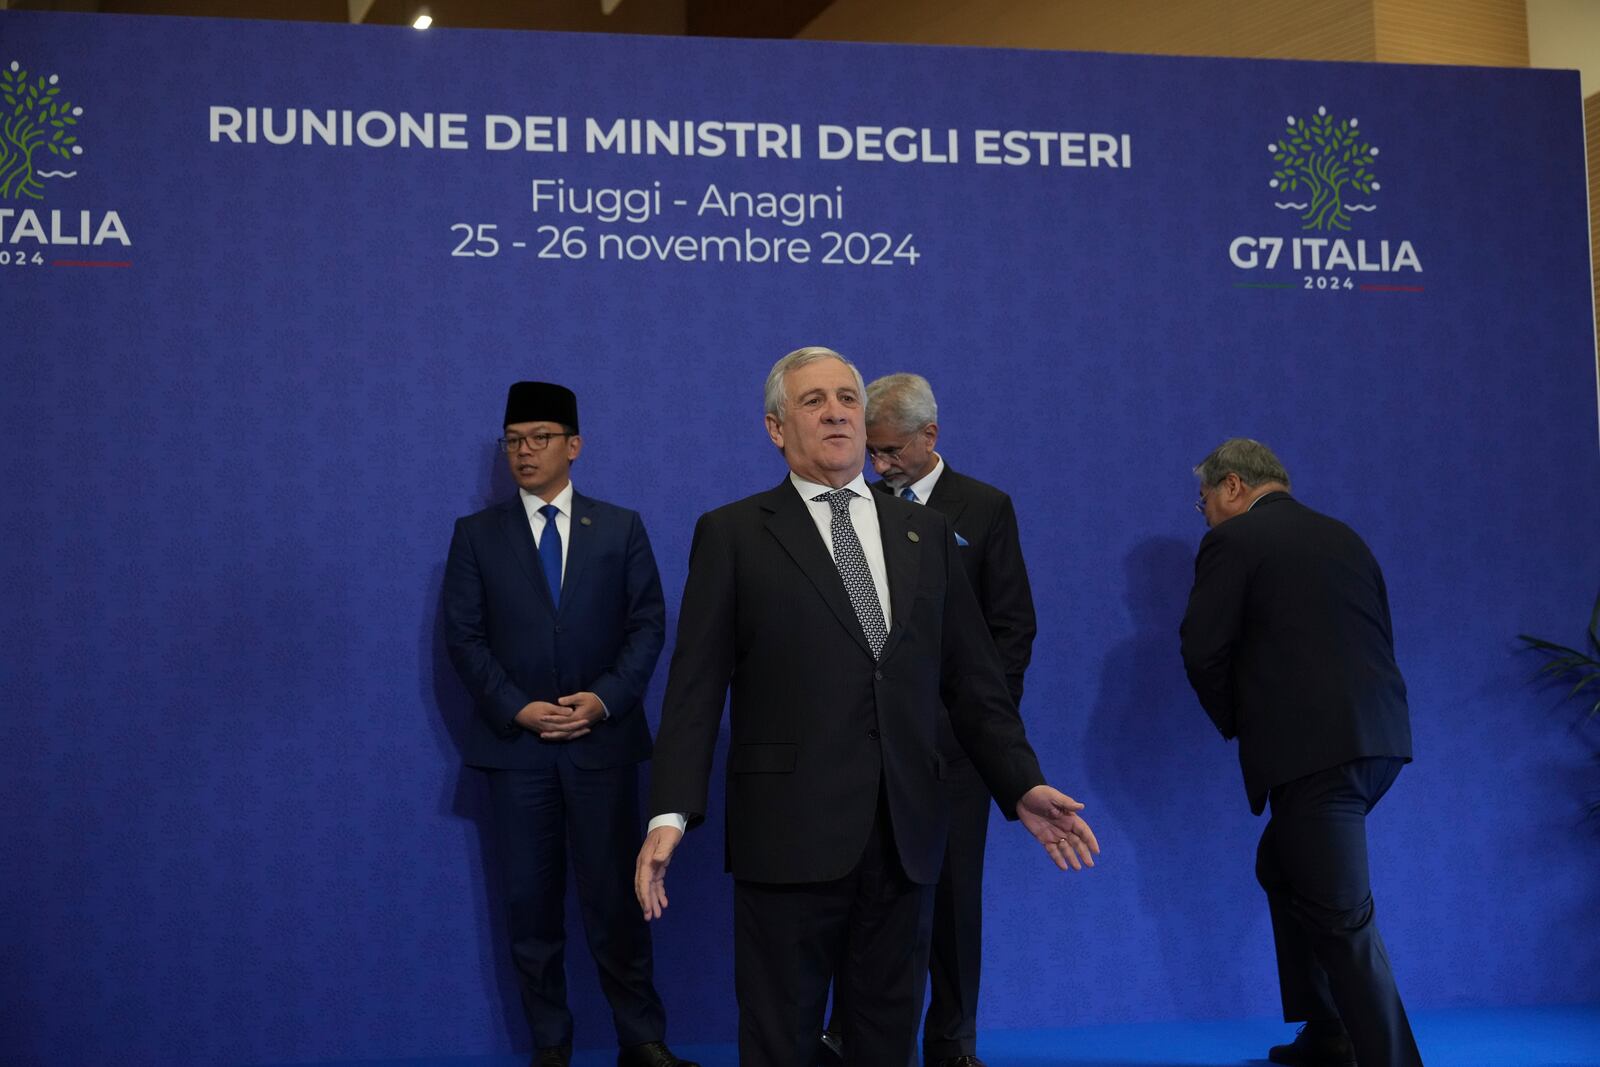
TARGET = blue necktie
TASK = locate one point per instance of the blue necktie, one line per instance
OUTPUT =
(908, 494)
(550, 552)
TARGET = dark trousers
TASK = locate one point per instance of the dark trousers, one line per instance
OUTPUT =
(950, 1028)
(1312, 862)
(540, 818)
(787, 939)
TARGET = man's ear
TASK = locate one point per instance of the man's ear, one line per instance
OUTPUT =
(775, 431)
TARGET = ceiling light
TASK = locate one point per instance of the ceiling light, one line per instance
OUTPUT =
(422, 21)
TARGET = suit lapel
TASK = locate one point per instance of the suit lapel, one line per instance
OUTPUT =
(947, 496)
(790, 522)
(519, 538)
(580, 542)
(901, 555)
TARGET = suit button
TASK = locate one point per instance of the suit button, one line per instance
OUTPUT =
(559, 630)
(873, 734)
(877, 675)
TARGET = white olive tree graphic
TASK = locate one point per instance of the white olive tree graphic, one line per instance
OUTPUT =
(1330, 160)
(36, 122)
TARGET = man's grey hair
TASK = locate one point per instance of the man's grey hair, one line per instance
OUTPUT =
(777, 392)
(1252, 461)
(901, 402)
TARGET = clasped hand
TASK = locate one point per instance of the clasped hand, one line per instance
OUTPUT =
(566, 720)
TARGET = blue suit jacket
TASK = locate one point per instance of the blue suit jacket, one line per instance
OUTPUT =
(510, 644)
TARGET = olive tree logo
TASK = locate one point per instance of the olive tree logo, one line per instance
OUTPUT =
(1331, 161)
(36, 123)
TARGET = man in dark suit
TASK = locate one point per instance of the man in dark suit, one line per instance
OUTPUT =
(1288, 644)
(902, 434)
(554, 620)
(844, 624)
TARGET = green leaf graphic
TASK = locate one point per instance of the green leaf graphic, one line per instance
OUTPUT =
(40, 117)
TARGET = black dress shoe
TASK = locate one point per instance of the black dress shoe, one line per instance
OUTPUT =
(650, 1054)
(557, 1056)
(964, 1060)
(1317, 1044)
(830, 1050)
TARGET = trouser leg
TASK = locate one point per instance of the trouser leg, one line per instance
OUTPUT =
(872, 926)
(886, 957)
(786, 939)
(604, 832)
(1316, 870)
(530, 832)
(955, 964)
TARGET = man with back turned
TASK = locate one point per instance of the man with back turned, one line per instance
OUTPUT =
(842, 622)
(1288, 644)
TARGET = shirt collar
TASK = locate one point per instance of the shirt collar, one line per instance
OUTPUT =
(923, 486)
(531, 503)
(808, 490)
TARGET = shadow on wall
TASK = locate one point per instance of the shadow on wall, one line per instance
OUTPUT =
(1178, 795)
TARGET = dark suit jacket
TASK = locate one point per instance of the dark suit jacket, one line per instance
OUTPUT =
(1288, 644)
(983, 517)
(511, 645)
(817, 725)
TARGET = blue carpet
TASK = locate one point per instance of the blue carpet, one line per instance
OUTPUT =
(1460, 1037)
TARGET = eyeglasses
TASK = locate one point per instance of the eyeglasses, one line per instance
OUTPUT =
(1200, 505)
(536, 442)
(890, 455)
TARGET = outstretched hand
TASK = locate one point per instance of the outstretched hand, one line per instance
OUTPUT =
(650, 873)
(1052, 818)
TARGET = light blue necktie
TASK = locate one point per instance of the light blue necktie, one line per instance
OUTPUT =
(908, 494)
(550, 552)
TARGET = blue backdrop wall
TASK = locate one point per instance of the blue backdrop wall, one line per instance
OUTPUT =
(248, 385)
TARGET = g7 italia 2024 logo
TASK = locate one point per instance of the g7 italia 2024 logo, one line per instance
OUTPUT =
(39, 149)
(1324, 177)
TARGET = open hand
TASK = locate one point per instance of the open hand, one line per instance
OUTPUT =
(650, 873)
(1052, 818)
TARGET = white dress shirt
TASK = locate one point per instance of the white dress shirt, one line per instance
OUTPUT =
(864, 517)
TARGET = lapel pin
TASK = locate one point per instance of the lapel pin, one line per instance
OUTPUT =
(911, 535)
(586, 521)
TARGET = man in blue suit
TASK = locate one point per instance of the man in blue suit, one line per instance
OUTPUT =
(554, 619)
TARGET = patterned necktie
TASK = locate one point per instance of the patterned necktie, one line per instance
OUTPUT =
(852, 564)
(908, 494)
(550, 552)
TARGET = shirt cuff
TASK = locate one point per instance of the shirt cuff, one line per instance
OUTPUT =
(672, 819)
(605, 712)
